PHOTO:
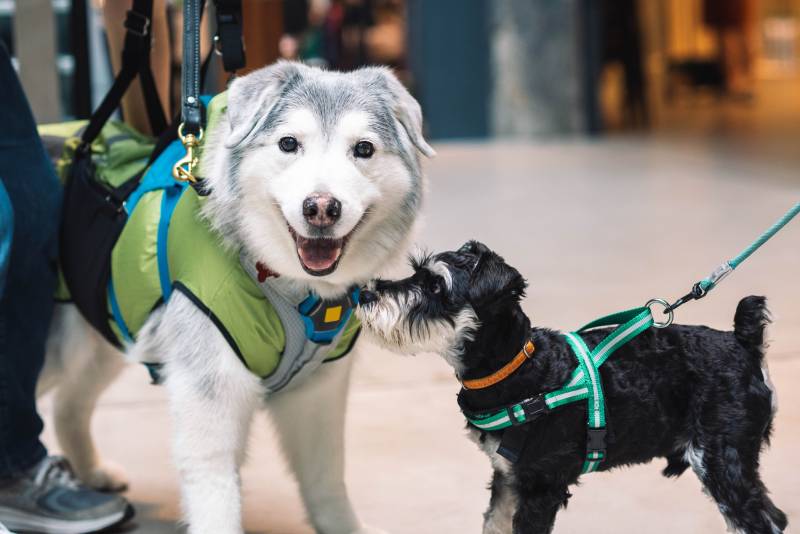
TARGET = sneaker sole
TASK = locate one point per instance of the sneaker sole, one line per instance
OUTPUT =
(18, 521)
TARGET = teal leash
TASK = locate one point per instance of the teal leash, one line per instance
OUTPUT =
(701, 288)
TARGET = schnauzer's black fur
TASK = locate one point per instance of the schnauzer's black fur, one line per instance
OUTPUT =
(668, 391)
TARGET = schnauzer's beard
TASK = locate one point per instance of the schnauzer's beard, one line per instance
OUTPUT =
(390, 322)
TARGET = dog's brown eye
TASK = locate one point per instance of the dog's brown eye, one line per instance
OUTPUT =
(364, 149)
(288, 144)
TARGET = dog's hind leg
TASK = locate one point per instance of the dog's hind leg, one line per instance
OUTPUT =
(79, 366)
(730, 476)
(310, 419)
(775, 514)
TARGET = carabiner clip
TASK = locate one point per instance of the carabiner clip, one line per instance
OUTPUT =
(184, 168)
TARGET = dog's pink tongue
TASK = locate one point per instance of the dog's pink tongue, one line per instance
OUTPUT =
(318, 254)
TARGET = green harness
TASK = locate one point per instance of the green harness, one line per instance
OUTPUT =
(167, 246)
(584, 384)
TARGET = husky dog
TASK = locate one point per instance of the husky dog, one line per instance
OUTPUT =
(318, 175)
(696, 396)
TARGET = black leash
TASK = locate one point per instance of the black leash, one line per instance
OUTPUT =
(191, 107)
(190, 131)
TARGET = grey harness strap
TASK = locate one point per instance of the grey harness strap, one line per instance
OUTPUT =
(300, 356)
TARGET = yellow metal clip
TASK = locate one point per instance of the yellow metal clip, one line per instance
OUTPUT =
(183, 169)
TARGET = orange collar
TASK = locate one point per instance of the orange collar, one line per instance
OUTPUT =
(498, 376)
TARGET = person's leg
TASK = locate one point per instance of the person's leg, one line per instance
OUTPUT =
(6, 235)
(26, 302)
(37, 492)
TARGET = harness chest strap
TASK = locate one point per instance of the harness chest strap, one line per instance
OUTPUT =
(596, 408)
(584, 384)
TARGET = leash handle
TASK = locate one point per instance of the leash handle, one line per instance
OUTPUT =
(701, 288)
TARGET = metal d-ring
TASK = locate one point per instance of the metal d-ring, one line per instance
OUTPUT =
(668, 311)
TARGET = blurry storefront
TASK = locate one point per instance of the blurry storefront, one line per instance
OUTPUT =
(705, 64)
(480, 68)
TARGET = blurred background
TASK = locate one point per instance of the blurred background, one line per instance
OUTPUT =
(480, 68)
(611, 150)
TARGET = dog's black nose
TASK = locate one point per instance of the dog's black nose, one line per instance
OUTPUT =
(367, 297)
(322, 210)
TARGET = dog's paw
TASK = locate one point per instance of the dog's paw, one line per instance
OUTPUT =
(107, 476)
(370, 530)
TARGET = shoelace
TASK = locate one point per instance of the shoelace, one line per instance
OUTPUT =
(55, 469)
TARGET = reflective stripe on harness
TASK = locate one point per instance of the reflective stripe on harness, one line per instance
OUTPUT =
(596, 402)
(584, 384)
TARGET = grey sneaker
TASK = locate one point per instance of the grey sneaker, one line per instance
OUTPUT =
(50, 500)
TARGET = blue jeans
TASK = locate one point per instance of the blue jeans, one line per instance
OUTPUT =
(30, 203)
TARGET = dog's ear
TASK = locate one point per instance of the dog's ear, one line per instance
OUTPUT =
(474, 247)
(251, 97)
(472, 253)
(494, 285)
(405, 108)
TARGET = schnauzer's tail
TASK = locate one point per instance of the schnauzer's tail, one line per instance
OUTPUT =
(749, 323)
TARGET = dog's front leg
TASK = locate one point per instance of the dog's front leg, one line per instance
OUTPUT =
(211, 419)
(537, 507)
(212, 399)
(310, 423)
(502, 506)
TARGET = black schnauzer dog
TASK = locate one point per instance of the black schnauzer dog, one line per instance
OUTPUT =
(698, 397)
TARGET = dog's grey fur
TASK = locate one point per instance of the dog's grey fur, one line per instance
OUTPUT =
(261, 103)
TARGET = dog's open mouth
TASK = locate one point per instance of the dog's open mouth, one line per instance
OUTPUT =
(319, 255)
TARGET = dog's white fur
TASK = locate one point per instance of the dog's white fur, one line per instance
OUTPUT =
(387, 323)
(387, 326)
(212, 395)
(500, 518)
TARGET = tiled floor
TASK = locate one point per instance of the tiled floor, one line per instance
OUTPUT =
(596, 226)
